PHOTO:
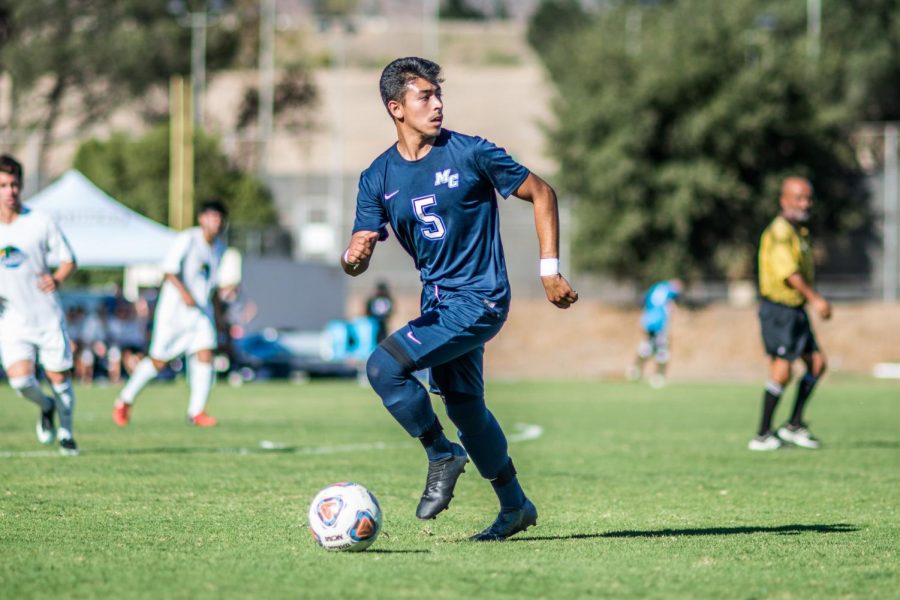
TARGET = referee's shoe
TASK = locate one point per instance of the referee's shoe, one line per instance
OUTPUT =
(766, 442)
(799, 435)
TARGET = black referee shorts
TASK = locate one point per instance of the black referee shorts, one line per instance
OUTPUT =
(786, 331)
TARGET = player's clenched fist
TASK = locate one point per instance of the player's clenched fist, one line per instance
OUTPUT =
(356, 258)
(559, 291)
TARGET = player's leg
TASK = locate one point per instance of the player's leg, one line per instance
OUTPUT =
(145, 372)
(168, 340)
(779, 376)
(796, 431)
(61, 384)
(200, 340)
(644, 352)
(777, 328)
(200, 380)
(55, 354)
(21, 374)
(661, 356)
(391, 370)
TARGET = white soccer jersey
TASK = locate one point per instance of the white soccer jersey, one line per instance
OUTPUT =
(196, 263)
(27, 246)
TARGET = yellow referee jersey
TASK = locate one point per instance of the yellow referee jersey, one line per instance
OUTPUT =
(783, 251)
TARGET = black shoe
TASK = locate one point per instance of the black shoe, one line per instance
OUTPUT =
(442, 476)
(68, 447)
(509, 522)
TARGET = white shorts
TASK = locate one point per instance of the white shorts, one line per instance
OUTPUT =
(47, 346)
(192, 332)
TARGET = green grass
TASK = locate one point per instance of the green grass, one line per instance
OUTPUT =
(640, 493)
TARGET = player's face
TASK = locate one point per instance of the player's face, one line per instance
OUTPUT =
(797, 200)
(212, 223)
(422, 109)
(9, 192)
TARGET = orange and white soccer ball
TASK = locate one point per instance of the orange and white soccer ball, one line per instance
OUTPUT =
(345, 516)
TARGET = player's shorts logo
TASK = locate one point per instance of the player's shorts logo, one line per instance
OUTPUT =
(205, 270)
(11, 257)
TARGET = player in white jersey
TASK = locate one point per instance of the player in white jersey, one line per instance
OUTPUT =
(184, 322)
(32, 322)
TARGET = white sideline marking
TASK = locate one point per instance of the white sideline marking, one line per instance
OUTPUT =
(523, 432)
(527, 433)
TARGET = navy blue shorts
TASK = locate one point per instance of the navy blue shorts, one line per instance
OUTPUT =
(449, 339)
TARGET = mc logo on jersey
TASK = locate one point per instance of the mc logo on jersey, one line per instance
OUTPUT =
(11, 257)
(445, 176)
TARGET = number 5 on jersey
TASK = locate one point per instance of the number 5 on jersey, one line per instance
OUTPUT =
(434, 227)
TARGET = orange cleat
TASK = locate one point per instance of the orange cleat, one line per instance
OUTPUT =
(121, 413)
(202, 420)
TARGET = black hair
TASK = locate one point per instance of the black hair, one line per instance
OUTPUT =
(403, 71)
(213, 204)
(10, 166)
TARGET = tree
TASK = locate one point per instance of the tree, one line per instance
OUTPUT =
(136, 172)
(674, 138)
(96, 55)
(459, 10)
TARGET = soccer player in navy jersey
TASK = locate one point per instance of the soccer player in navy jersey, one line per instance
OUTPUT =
(435, 188)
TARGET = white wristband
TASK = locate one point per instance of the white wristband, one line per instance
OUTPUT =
(347, 259)
(549, 266)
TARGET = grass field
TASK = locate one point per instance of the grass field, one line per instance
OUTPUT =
(641, 493)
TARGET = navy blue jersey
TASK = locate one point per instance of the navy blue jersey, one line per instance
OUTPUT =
(443, 210)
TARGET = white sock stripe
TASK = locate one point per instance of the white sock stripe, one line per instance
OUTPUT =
(774, 388)
(21, 383)
(61, 388)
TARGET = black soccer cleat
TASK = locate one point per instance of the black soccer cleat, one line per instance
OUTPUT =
(68, 447)
(442, 476)
(508, 523)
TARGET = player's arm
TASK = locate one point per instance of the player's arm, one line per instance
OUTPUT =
(546, 222)
(820, 304)
(176, 281)
(356, 257)
(59, 248)
(48, 283)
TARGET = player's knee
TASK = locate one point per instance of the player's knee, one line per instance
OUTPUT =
(645, 350)
(383, 369)
(819, 367)
(20, 384)
(468, 413)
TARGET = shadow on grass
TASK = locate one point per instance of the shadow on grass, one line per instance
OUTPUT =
(655, 533)
(868, 444)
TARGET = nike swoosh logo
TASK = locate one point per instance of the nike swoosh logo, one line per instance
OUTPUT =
(410, 335)
(391, 195)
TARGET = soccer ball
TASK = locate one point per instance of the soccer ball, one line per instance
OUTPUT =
(345, 516)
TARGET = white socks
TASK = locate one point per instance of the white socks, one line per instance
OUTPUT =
(200, 378)
(28, 387)
(143, 374)
(65, 407)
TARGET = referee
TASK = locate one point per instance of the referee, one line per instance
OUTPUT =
(786, 285)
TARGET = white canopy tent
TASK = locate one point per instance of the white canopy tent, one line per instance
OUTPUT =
(102, 232)
(105, 233)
